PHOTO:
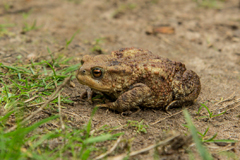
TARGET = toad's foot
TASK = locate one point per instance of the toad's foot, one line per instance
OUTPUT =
(172, 104)
(177, 103)
(89, 93)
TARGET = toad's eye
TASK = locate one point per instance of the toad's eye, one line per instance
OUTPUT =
(97, 72)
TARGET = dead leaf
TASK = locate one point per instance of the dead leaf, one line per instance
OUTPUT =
(164, 30)
(160, 29)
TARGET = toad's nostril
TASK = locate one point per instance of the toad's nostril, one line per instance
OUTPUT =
(83, 71)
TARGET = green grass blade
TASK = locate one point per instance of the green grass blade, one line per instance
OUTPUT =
(49, 51)
(17, 69)
(54, 73)
(19, 76)
(12, 68)
(33, 25)
(25, 70)
(222, 140)
(219, 114)
(70, 69)
(70, 41)
(209, 112)
(6, 89)
(204, 134)
(17, 85)
(88, 127)
(45, 70)
(101, 138)
(86, 154)
(6, 116)
(32, 71)
(45, 137)
(212, 138)
(200, 134)
(201, 149)
(32, 127)
(13, 141)
(198, 112)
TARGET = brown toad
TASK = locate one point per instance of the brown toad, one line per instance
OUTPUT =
(134, 77)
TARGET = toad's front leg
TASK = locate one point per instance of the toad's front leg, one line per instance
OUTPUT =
(89, 94)
(131, 99)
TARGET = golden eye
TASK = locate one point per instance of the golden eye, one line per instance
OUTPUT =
(97, 72)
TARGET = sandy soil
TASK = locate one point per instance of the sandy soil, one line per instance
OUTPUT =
(206, 40)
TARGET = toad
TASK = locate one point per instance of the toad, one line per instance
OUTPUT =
(133, 77)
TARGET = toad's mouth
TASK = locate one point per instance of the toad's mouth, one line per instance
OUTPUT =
(93, 83)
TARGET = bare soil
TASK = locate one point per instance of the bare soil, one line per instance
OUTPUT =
(206, 40)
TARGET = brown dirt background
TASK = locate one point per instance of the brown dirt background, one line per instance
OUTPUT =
(206, 40)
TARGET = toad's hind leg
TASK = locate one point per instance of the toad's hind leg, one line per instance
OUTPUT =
(186, 90)
(192, 85)
(130, 99)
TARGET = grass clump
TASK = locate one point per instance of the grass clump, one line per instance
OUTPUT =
(12, 145)
(215, 4)
(4, 29)
(122, 9)
(23, 87)
(97, 46)
(68, 42)
(29, 27)
(203, 152)
(212, 139)
(19, 83)
(210, 114)
(140, 127)
(199, 138)
(21, 144)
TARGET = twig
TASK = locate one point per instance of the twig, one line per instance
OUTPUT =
(30, 99)
(227, 99)
(144, 149)
(109, 151)
(114, 129)
(232, 96)
(44, 105)
(74, 114)
(33, 105)
(238, 100)
(60, 112)
(159, 120)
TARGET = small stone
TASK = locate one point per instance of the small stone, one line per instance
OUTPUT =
(31, 56)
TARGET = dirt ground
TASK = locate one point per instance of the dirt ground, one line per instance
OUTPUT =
(206, 40)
